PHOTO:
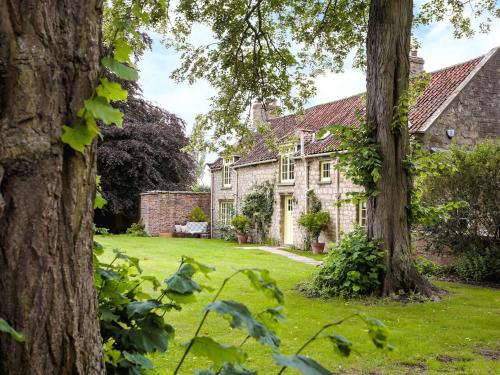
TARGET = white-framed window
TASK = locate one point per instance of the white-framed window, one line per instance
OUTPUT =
(226, 172)
(325, 171)
(226, 211)
(361, 213)
(287, 167)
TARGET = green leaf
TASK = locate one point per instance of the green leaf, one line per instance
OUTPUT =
(378, 332)
(99, 201)
(5, 327)
(217, 353)
(80, 135)
(181, 282)
(260, 280)
(112, 91)
(122, 50)
(235, 369)
(107, 315)
(153, 280)
(121, 70)
(101, 109)
(305, 365)
(138, 359)
(272, 316)
(342, 345)
(203, 268)
(242, 318)
(141, 307)
(151, 334)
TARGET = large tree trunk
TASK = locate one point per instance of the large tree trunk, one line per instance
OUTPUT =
(388, 48)
(49, 63)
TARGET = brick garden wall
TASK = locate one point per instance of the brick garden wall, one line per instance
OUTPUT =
(162, 210)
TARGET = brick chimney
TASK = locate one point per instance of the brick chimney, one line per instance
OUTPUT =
(264, 114)
(416, 64)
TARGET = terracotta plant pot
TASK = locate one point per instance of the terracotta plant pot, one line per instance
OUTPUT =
(317, 247)
(242, 238)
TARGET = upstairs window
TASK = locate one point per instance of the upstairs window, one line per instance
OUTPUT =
(361, 214)
(226, 212)
(287, 167)
(325, 169)
(226, 172)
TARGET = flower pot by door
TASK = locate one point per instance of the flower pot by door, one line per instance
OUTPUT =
(242, 238)
(317, 247)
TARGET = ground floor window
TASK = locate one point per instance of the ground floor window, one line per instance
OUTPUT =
(226, 211)
(361, 214)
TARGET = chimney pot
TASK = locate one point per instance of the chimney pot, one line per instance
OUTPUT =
(416, 63)
(263, 113)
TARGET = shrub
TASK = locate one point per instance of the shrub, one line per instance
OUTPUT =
(314, 223)
(258, 207)
(240, 223)
(101, 230)
(353, 268)
(137, 229)
(473, 266)
(427, 267)
(227, 232)
(473, 178)
(197, 215)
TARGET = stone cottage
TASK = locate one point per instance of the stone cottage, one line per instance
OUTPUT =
(460, 105)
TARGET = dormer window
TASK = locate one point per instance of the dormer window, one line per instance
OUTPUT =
(226, 172)
(287, 167)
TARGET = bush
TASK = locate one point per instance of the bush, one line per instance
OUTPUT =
(427, 267)
(315, 223)
(240, 223)
(471, 265)
(473, 178)
(227, 232)
(137, 229)
(353, 268)
(197, 215)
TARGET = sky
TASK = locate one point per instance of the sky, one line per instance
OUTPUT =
(438, 48)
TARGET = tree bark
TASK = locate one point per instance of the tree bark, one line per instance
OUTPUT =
(49, 63)
(388, 48)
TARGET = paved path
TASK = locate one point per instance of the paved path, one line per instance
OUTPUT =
(289, 255)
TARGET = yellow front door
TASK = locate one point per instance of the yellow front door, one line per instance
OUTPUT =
(288, 221)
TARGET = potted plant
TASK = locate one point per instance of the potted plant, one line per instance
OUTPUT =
(241, 224)
(315, 223)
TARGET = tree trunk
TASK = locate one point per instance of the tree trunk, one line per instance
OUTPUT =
(49, 63)
(388, 48)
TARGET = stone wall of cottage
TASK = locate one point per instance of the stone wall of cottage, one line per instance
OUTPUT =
(162, 210)
(307, 176)
(475, 112)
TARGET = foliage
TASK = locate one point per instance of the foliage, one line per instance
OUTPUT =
(258, 207)
(138, 229)
(100, 230)
(227, 232)
(240, 223)
(478, 265)
(5, 327)
(313, 202)
(315, 223)
(427, 267)
(200, 188)
(144, 155)
(197, 215)
(352, 268)
(133, 321)
(360, 159)
(473, 178)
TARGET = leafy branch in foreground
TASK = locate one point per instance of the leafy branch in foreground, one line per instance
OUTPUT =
(5, 327)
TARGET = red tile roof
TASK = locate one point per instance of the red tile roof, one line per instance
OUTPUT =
(344, 112)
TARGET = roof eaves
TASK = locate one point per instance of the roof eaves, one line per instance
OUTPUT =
(423, 128)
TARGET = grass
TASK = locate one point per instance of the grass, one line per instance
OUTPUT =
(308, 254)
(433, 337)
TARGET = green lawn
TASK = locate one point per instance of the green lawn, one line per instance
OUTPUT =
(434, 337)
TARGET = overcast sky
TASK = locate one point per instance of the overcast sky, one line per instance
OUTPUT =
(438, 48)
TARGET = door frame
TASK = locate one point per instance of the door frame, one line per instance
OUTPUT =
(287, 220)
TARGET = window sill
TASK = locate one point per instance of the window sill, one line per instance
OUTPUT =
(324, 182)
(226, 188)
(291, 183)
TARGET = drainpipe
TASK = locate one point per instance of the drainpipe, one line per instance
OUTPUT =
(337, 211)
(212, 204)
(237, 189)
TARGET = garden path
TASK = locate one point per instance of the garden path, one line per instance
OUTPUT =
(278, 251)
